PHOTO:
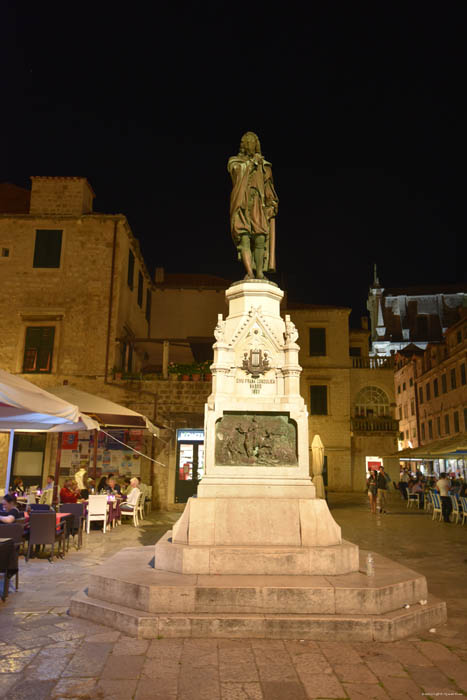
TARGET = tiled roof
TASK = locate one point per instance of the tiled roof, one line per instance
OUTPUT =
(14, 199)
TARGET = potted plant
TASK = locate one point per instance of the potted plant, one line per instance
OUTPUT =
(185, 371)
(195, 372)
(174, 371)
(205, 368)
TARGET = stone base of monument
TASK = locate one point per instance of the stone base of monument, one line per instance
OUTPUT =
(129, 594)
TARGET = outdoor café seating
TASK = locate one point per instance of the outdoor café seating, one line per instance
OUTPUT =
(8, 563)
(75, 527)
(97, 511)
(436, 505)
(45, 530)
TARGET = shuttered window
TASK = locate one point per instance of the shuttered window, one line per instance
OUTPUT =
(131, 269)
(48, 248)
(148, 305)
(318, 400)
(38, 349)
(140, 289)
(317, 341)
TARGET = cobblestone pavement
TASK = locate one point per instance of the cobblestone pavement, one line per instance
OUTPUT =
(46, 654)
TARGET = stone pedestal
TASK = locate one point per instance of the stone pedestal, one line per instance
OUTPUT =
(256, 554)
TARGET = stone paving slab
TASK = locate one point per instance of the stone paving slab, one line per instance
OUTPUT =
(46, 654)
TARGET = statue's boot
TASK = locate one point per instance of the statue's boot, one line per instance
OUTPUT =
(246, 259)
(259, 261)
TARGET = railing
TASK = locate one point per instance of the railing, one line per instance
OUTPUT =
(373, 362)
(374, 425)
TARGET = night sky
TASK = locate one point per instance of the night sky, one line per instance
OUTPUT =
(361, 109)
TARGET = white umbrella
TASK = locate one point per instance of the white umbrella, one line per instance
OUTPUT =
(317, 449)
(28, 408)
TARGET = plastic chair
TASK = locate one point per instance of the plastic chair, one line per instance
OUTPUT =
(131, 511)
(47, 497)
(463, 502)
(43, 530)
(436, 505)
(97, 511)
(413, 498)
(455, 509)
(428, 505)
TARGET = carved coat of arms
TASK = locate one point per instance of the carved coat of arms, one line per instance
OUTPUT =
(256, 362)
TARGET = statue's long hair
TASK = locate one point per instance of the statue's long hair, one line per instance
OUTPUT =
(242, 150)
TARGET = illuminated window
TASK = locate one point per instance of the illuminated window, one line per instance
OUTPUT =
(38, 349)
(372, 401)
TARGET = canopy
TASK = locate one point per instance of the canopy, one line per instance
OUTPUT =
(107, 413)
(26, 407)
(448, 448)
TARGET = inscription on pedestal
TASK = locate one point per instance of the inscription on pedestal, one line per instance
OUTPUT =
(256, 439)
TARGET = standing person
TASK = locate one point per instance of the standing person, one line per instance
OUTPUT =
(372, 490)
(382, 484)
(443, 485)
(404, 483)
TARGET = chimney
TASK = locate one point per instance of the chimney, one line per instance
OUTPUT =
(71, 196)
(159, 275)
(364, 321)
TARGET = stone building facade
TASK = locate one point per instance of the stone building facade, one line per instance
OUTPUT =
(441, 385)
(78, 306)
(407, 412)
(419, 315)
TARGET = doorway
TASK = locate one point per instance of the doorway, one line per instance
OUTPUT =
(190, 463)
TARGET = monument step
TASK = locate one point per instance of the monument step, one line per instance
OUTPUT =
(129, 579)
(381, 628)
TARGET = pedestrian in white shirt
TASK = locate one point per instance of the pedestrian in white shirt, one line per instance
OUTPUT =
(443, 485)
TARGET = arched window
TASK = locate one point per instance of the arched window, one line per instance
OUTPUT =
(372, 401)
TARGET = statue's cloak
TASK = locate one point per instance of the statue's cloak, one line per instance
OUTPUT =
(253, 202)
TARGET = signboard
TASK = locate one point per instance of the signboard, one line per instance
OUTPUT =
(190, 435)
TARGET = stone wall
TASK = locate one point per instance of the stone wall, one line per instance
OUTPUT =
(61, 195)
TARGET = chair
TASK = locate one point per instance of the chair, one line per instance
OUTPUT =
(40, 508)
(16, 532)
(97, 510)
(47, 497)
(148, 499)
(436, 505)
(413, 498)
(428, 505)
(43, 530)
(78, 512)
(463, 502)
(455, 509)
(140, 505)
(131, 511)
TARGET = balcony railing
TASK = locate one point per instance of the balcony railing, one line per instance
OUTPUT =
(374, 425)
(373, 362)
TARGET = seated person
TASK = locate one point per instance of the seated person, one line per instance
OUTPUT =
(50, 482)
(132, 498)
(112, 487)
(101, 486)
(9, 512)
(67, 493)
(18, 486)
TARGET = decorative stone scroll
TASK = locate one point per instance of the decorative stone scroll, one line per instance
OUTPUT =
(255, 439)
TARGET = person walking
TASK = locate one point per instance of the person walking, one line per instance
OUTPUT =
(382, 485)
(372, 490)
(443, 485)
(404, 484)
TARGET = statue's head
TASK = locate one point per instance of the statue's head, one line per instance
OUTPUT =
(249, 144)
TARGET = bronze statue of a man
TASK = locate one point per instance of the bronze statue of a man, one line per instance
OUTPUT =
(253, 207)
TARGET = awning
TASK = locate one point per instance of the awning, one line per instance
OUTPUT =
(107, 413)
(448, 448)
(26, 407)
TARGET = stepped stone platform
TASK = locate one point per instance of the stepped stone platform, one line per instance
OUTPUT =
(129, 594)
